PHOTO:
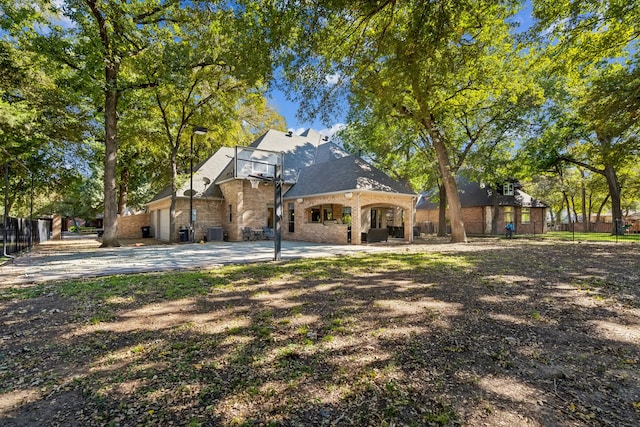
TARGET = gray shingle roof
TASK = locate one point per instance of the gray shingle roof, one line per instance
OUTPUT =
(346, 173)
(471, 195)
(204, 176)
(299, 152)
(312, 165)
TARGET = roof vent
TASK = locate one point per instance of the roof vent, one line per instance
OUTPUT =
(289, 133)
(325, 138)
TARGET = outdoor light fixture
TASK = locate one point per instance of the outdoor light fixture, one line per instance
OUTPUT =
(197, 130)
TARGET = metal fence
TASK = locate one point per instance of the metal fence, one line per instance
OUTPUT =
(618, 231)
(604, 232)
(22, 233)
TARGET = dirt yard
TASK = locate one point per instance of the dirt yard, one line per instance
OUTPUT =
(493, 333)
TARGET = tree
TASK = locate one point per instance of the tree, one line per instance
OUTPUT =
(430, 63)
(42, 127)
(202, 82)
(589, 124)
(594, 47)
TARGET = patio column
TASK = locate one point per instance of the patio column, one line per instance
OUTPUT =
(356, 219)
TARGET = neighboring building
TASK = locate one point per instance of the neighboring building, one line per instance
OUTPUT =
(487, 211)
(330, 196)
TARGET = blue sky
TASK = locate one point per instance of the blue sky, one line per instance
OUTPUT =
(288, 110)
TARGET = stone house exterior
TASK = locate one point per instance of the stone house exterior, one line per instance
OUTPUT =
(329, 196)
(487, 210)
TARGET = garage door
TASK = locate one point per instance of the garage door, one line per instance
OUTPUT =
(163, 225)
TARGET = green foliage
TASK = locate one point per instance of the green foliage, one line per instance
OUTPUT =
(590, 118)
(427, 82)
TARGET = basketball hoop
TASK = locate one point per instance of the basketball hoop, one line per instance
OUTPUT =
(254, 183)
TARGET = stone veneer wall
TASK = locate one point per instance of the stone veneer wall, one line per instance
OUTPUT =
(244, 206)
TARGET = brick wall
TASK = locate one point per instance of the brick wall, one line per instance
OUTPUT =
(209, 213)
(244, 206)
(336, 232)
(477, 220)
(129, 227)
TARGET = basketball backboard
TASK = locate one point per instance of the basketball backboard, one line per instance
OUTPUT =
(253, 163)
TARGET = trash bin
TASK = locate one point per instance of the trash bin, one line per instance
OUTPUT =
(146, 232)
(184, 235)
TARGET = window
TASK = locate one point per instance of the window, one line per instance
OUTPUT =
(507, 189)
(291, 218)
(328, 213)
(525, 215)
(346, 215)
(270, 216)
(321, 213)
(315, 215)
(230, 213)
(508, 214)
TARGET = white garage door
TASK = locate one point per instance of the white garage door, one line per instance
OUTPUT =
(163, 225)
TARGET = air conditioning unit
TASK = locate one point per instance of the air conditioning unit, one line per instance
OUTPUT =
(215, 234)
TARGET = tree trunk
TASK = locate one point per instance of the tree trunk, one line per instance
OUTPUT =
(601, 208)
(442, 213)
(458, 234)
(566, 201)
(110, 236)
(172, 207)
(614, 191)
(123, 194)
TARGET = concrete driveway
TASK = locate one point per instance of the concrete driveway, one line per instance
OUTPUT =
(79, 258)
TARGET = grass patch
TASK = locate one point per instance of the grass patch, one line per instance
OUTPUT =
(589, 237)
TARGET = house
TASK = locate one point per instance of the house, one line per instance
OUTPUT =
(487, 210)
(329, 196)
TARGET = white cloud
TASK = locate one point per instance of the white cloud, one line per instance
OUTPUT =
(298, 131)
(333, 130)
(332, 79)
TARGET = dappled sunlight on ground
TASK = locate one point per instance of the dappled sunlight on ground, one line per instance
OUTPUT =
(619, 332)
(461, 336)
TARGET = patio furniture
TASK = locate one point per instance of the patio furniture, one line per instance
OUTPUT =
(247, 234)
(267, 232)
